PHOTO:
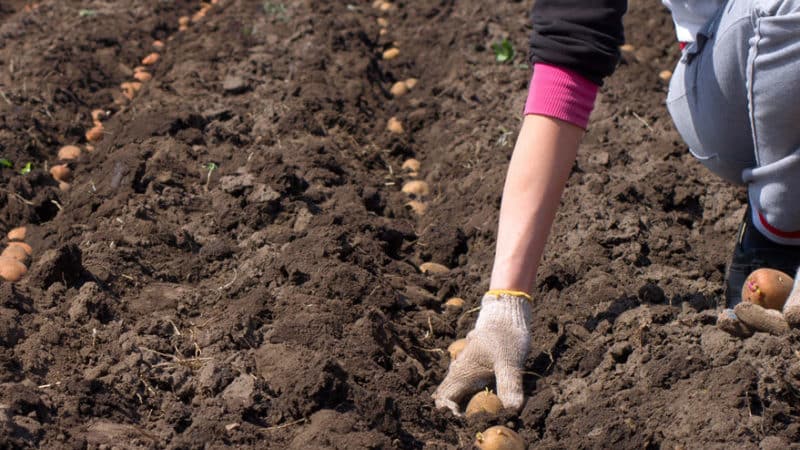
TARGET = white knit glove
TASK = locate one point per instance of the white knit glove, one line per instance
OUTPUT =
(498, 345)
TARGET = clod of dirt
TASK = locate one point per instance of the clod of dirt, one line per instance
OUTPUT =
(484, 401)
(183, 23)
(10, 334)
(11, 269)
(69, 152)
(58, 265)
(235, 184)
(324, 387)
(17, 234)
(262, 193)
(432, 267)
(158, 45)
(332, 429)
(394, 125)
(105, 433)
(456, 347)
(61, 172)
(239, 394)
(234, 84)
(417, 187)
(391, 53)
(90, 302)
(151, 59)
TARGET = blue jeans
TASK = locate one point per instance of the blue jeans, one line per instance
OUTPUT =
(735, 99)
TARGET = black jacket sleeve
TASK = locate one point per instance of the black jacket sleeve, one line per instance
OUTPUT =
(581, 35)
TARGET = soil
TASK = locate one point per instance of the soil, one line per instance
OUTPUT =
(235, 265)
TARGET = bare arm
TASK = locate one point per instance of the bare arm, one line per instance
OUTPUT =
(540, 165)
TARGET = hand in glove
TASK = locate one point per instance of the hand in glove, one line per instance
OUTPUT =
(746, 318)
(498, 345)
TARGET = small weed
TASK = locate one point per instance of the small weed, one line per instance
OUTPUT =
(210, 167)
(26, 169)
(503, 51)
(6, 163)
(87, 13)
(275, 9)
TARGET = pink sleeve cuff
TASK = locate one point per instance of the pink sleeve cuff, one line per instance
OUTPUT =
(560, 93)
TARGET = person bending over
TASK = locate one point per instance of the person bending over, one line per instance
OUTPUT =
(733, 98)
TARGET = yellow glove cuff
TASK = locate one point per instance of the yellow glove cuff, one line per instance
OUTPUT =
(499, 292)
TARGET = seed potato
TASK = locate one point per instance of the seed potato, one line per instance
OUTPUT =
(11, 269)
(768, 288)
(499, 438)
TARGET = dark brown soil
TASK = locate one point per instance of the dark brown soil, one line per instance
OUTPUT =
(273, 299)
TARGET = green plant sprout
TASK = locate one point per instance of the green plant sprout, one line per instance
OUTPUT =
(211, 167)
(503, 51)
(26, 169)
(6, 163)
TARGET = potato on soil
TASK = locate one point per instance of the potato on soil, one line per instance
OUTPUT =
(499, 438)
(432, 267)
(417, 187)
(665, 75)
(399, 89)
(11, 269)
(27, 248)
(484, 401)
(130, 88)
(95, 133)
(382, 22)
(61, 172)
(411, 165)
(394, 126)
(768, 288)
(158, 45)
(410, 83)
(68, 152)
(17, 234)
(456, 347)
(417, 207)
(142, 76)
(16, 252)
(98, 115)
(391, 53)
(627, 48)
(151, 59)
(454, 303)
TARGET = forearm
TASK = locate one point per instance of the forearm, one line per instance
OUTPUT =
(540, 165)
